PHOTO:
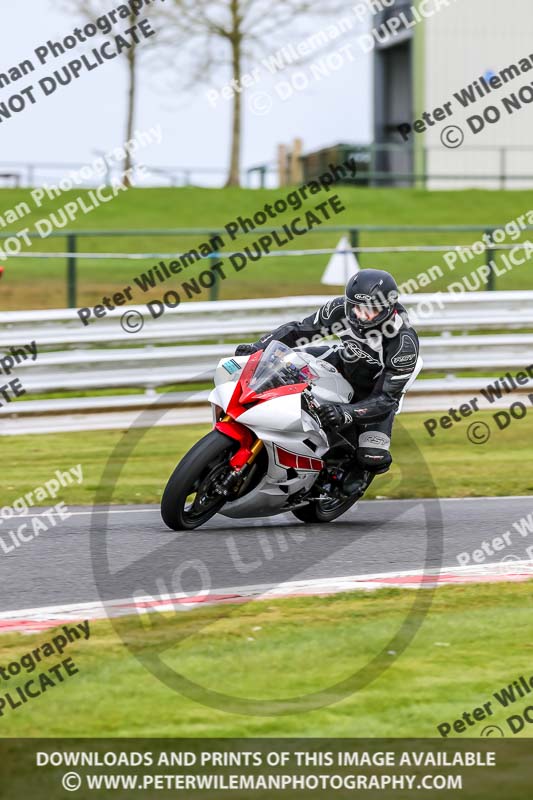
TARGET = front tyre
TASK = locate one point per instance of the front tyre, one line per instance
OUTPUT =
(190, 499)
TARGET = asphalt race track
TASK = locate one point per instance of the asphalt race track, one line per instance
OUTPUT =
(130, 553)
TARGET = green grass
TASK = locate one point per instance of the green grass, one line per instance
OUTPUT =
(141, 461)
(39, 284)
(285, 649)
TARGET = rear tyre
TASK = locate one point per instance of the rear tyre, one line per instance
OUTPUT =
(189, 499)
(324, 510)
(330, 508)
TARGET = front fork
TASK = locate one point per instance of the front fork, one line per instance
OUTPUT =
(243, 459)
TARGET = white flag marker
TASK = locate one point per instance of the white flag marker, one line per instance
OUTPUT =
(342, 265)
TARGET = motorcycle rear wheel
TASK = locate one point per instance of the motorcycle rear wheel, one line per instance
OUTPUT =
(327, 509)
(323, 511)
(189, 499)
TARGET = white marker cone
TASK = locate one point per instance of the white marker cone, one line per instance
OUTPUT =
(342, 265)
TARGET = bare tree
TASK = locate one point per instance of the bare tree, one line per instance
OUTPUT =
(133, 58)
(207, 35)
(90, 10)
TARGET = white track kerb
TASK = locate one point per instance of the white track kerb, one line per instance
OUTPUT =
(31, 620)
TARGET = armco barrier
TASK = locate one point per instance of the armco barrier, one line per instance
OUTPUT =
(168, 352)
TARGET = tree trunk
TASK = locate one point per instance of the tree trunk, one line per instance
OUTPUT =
(132, 98)
(234, 176)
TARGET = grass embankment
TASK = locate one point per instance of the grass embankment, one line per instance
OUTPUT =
(285, 649)
(454, 466)
(41, 283)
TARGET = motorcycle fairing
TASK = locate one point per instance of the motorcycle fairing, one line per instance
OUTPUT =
(294, 441)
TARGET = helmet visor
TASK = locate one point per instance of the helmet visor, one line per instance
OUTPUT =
(368, 313)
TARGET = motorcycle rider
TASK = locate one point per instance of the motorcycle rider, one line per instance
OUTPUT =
(378, 355)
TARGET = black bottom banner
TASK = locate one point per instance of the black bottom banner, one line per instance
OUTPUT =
(265, 768)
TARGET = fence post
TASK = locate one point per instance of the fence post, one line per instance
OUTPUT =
(371, 179)
(491, 255)
(214, 258)
(71, 271)
(354, 242)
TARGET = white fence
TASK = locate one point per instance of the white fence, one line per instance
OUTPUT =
(102, 355)
(153, 367)
(190, 322)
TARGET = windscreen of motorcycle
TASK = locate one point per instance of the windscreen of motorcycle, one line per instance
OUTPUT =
(281, 366)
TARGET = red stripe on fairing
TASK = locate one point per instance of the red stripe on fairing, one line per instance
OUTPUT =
(286, 459)
(240, 434)
(243, 396)
(281, 391)
(235, 407)
(295, 461)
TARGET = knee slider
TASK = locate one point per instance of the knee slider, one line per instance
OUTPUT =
(374, 459)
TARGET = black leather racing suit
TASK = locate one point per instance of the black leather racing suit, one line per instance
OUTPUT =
(378, 367)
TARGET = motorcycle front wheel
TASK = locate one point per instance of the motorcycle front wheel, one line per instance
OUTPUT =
(189, 499)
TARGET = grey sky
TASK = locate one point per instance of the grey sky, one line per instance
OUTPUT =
(88, 114)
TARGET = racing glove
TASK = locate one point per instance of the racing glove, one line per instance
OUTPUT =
(332, 416)
(246, 349)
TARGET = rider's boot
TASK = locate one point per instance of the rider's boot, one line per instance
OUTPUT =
(357, 481)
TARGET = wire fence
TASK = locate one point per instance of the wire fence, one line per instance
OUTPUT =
(112, 269)
(382, 164)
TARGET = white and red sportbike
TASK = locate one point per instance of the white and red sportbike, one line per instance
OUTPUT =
(265, 455)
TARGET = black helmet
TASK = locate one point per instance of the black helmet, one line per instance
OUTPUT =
(370, 290)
